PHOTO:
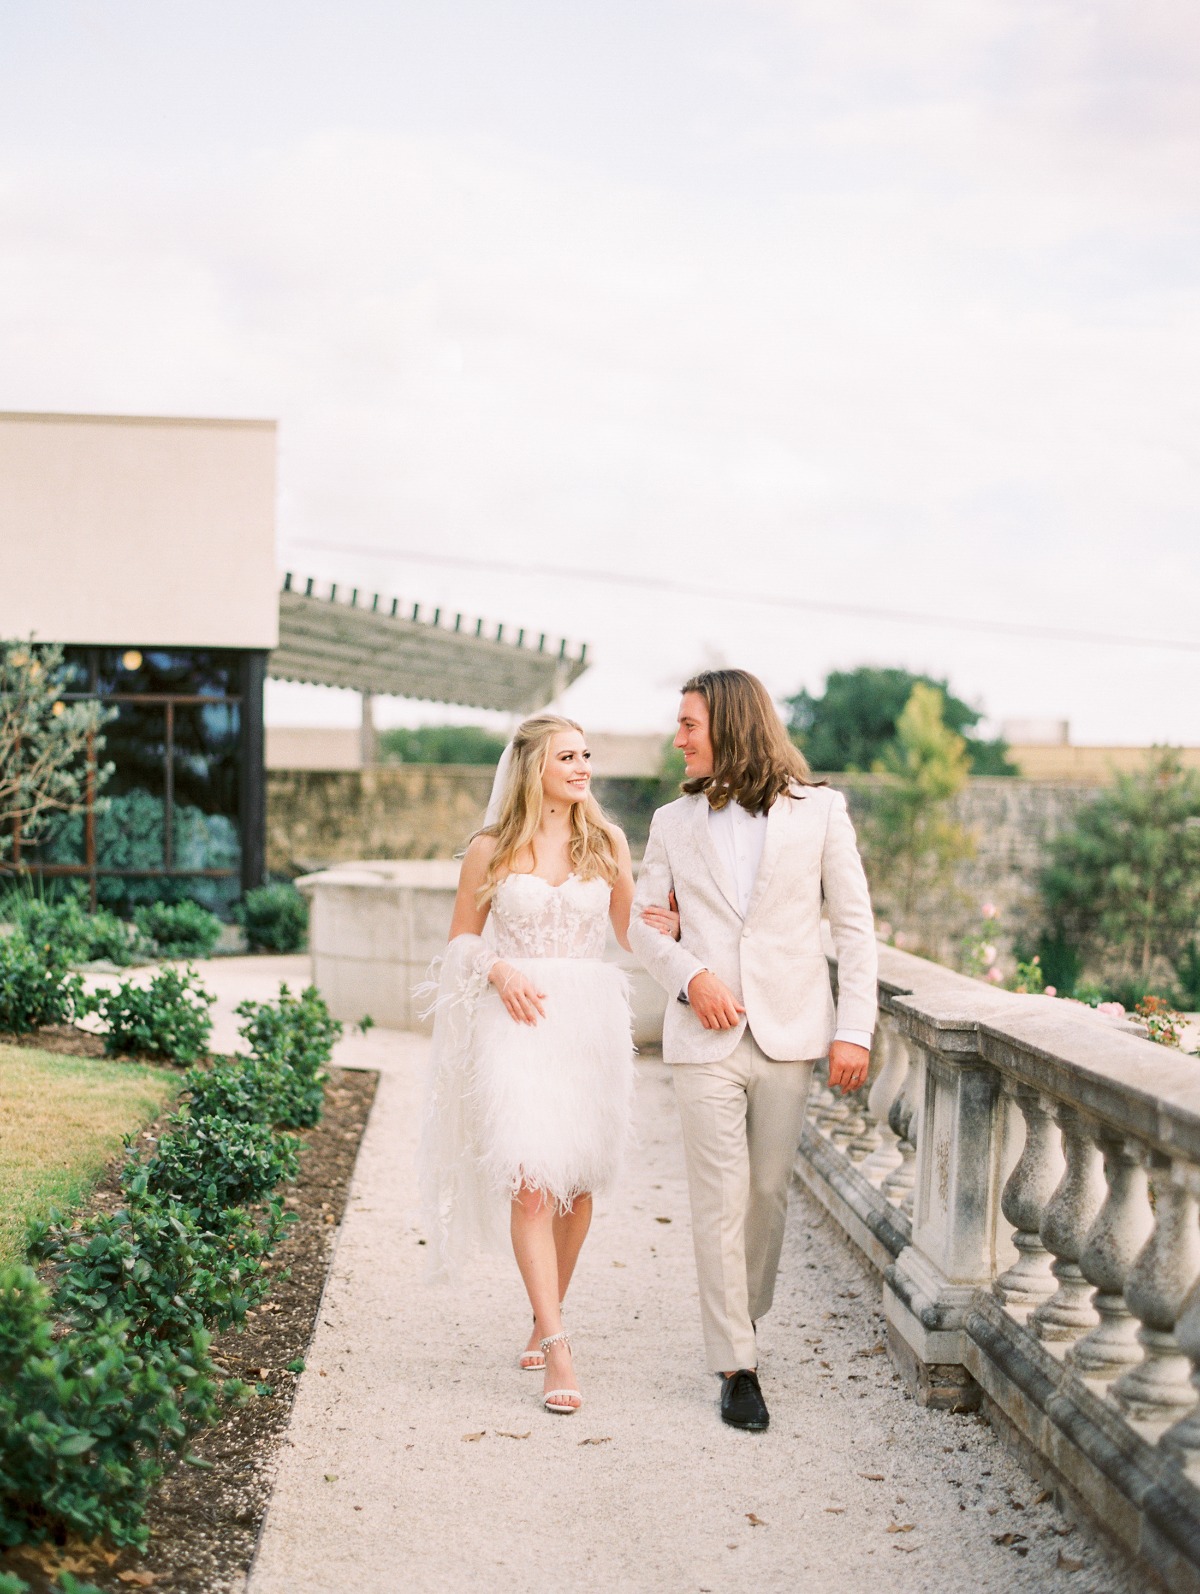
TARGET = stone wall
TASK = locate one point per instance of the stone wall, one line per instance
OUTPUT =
(319, 817)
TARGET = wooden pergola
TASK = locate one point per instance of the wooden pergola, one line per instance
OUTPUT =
(345, 636)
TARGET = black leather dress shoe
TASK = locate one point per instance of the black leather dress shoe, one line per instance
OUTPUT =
(742, 1403)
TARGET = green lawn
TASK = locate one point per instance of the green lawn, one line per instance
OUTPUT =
(61, 1119)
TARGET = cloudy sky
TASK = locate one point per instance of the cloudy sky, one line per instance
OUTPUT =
(823, 319)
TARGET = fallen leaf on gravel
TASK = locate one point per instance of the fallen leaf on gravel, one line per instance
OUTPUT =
(872, 1477)
(834, 1510)
(992, 1509)
(331, 1477)
(142, 1579)
(907, 1548)
(501, 1434)
(1068, 1563)
(606, 1440)
(755, 1521)
(618, 1264)
(827, 1366)
(901, 1527)
(1046, 1494)
(875, 1350)
(1008, 1538)
(470, 1438)
(662, 1220)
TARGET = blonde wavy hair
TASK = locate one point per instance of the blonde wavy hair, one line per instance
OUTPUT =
(592, 848)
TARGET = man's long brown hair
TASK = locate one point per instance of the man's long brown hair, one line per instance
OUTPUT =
(753, 760)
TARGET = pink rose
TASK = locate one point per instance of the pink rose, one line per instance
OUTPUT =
(994, 976)
(990, 910)
(1111, 1009)
(1049, 990)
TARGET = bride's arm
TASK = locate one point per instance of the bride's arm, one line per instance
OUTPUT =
(622, 891)
(469, 917)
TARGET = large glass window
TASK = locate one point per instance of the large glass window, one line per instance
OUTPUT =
(167, 823)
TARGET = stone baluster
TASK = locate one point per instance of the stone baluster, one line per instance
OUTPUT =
(1030, 1186)
(905, 1121)
(1122, 1227)
(820, 1096)
(1158, 1389)
(1183, 1440)
(1066, 1223)
(889, 1082)
(833, 1110)
(847, 1130)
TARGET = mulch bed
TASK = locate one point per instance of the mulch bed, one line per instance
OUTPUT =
(204, 1523)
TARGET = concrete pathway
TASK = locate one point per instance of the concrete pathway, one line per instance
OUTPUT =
(419, 1458)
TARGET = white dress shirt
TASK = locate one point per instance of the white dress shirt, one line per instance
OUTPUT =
(738, 835)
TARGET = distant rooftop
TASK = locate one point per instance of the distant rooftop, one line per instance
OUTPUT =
(347, 636)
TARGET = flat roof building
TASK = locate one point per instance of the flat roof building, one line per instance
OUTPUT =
(145, 546)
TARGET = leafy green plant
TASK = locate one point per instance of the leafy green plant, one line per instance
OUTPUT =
(153, 1265)
(215, 1164)
(178, 929)
(913, 841)
(274, 917)
(1124, 880)
(1029, 980)
(86, 1420)
(297, 1035)
(167, 1018)
(1187, 972)
(46, 743)
(36, 986)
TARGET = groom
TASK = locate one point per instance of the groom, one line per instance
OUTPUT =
(750, 854)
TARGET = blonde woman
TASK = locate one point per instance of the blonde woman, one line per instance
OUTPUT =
(533, 1060)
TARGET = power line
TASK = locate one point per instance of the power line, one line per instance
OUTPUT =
(691, 589)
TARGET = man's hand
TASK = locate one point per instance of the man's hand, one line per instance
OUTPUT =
(713, 1002)
(848, 1066)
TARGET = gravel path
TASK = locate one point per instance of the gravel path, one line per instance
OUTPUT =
(419, 1457)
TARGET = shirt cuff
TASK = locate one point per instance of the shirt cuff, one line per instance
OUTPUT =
(683, 992)
(856, 1037)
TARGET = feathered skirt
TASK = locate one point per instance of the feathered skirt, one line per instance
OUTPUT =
(552, 1100)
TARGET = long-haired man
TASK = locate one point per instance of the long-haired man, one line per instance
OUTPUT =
(727, 918)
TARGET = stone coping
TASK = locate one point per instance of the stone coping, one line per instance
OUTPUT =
(1103, 1066)
(386, 874)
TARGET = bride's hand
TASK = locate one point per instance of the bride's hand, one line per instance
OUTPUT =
(518, 993)
(664, 920)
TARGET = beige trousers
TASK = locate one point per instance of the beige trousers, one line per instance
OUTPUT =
(741, 1120)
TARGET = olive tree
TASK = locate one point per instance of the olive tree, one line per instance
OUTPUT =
(46, 743)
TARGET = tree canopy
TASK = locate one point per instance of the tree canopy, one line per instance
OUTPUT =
(441, 744)
(854, 721)
(1123, 881)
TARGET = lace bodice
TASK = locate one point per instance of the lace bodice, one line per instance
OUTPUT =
(533, 919)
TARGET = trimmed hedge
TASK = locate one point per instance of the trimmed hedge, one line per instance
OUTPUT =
(105, 1378)
(274, 917)
(178, 929)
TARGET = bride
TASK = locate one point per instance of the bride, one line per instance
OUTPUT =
(532, 1054)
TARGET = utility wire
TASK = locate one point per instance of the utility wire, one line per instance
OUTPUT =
(1015, 628)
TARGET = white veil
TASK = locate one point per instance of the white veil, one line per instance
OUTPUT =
(496, 800)
(461, 1212)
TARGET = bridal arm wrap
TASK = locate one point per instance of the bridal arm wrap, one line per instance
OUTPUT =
(459, 1209)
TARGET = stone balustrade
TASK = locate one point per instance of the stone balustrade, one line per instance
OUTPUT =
(1025, 1175)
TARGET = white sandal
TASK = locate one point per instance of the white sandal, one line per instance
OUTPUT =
(532, 1361)
(557, 1400)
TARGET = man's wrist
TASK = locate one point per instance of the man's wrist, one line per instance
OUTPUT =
(855, 1037)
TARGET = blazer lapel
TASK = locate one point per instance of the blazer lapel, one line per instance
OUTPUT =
(702, 837)
(778, 816)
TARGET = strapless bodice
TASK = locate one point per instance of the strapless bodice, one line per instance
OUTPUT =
(533, 919)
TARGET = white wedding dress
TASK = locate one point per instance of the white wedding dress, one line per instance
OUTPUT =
(544, 1105)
